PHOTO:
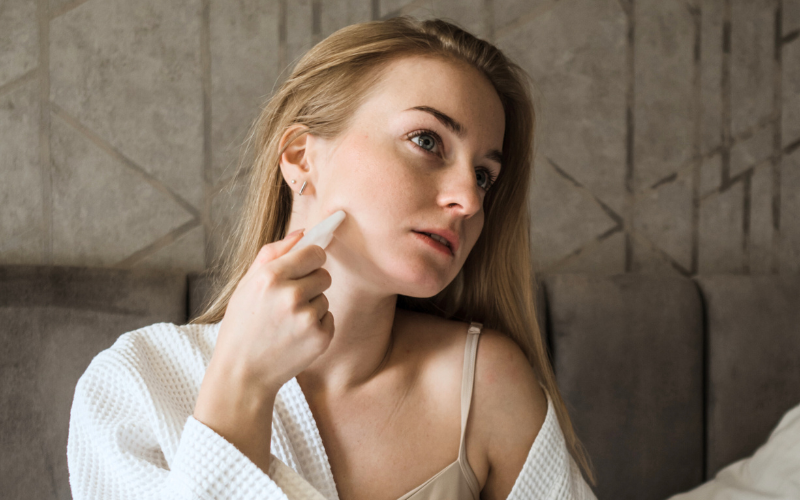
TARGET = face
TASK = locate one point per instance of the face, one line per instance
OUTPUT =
(420, 154)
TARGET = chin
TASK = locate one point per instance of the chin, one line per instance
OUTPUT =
(419, 282)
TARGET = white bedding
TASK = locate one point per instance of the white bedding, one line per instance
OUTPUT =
(773, 472)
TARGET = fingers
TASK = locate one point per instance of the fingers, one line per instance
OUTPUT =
(327, 324)
(278, 248)
(312, 285)
(298, 264)
(272, 251)
(320, 305)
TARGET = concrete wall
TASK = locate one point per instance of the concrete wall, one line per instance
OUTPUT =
(670, 130)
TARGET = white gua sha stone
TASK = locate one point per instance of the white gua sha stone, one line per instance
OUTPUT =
(322, 233)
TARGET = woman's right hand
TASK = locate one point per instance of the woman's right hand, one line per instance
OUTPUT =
(275, 325)
(277, 320)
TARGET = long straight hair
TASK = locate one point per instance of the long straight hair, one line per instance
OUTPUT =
(496, 286)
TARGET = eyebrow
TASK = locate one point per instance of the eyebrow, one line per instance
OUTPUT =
(457, 129)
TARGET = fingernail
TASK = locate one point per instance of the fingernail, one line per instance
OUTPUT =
(295, 232)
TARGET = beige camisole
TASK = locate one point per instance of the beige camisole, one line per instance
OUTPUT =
(457, 481)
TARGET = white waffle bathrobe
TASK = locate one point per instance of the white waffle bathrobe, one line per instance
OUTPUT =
(132, 434)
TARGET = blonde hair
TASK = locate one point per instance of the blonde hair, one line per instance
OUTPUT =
(496, 286)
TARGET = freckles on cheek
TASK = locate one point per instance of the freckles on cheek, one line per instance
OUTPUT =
(377, 172)
(367, 155)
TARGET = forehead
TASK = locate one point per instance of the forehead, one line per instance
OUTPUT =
(452, 87)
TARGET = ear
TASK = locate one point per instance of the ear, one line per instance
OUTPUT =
(293, 160)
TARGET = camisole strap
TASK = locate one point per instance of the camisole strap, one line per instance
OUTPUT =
(467, 382)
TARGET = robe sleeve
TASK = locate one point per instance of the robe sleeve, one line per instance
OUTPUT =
(115, 449)
(550, 472)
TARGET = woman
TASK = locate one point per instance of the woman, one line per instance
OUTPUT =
(411, 128)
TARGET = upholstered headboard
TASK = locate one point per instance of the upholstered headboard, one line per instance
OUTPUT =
(667, 379)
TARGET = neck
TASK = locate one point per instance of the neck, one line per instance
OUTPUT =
(364, 320)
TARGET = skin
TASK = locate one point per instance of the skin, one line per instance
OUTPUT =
(390, 423)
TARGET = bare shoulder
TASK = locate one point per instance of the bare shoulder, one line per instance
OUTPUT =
(505, 384)
(507, 393)
(508, 405)
(508, 409)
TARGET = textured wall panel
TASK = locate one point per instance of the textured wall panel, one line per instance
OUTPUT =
(658, 122)
(338, 14)
(469, 14)
(750, 152)
(791, 15)
(21, 205)
(752, 49)
(580, 77)
(244, 69)
(760, 226)
(721, 230)
(225, 209)
(563, 217)
(103, 212)
(130, 72)
(605, 256)
(663, 91)
(183, 251)
(508, 13)
(19, 39)
(790, 208)
(299, 36)
(710, 174)
(664, 215)
(790, 93)
(711, 22)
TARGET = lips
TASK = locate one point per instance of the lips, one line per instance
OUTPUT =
(437, 245)
(450, 236)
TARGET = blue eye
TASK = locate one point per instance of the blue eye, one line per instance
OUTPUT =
(428, 140)
(425, 140)
(488, 176)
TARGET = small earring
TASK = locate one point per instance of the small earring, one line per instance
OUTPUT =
(293, 181)
(302, 188)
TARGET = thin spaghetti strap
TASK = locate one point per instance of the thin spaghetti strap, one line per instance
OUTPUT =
(468, 380)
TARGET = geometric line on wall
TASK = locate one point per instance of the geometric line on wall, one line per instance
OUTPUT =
(666, 180)
(791, 147)
(626, 6)
(124, 160)
(744, 175)
(231, 180)
(747, 173)
(643, 239)
(102, 211)
(19, 81)
(410, 6)
(619, 220)
(688, 165)
(525, 18)
(586, 224)
(586, 248)
(66, 8)
(316, 21)
(158, 244)
(790, 37)
(376, 10)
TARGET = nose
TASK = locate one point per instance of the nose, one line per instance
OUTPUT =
(459, 191)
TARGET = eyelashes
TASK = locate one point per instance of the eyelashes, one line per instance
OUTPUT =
(440, 144)
(431, 133)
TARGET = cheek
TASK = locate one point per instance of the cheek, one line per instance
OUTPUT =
(374, 174)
